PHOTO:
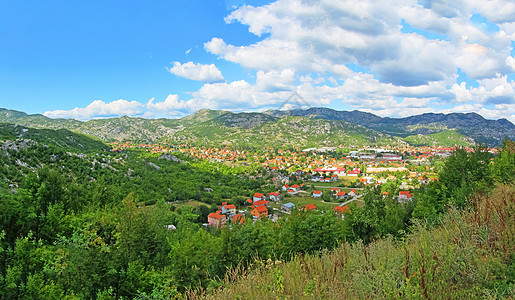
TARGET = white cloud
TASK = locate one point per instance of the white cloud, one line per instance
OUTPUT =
(99, 108)
(199, 72)
(169, 106)
(275, 80)
(322, 37)
(312, 47)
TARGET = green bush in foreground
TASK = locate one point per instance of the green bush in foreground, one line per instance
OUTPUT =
(470, 255)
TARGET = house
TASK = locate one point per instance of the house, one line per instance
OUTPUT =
(295, 187)
(353, 193)
(228, 208)
(258, 196)
(317, 194)
(354, 172)
(260, 203)
(275, 196)
(238, 218)
(292, 192)
(309, 207)
(341, 195)
(368, 180)
(342, 209)
(404, 196)
(216, 220)
(286, 187)
(259, 212)
(327, 179)
(335, 190)
(287, 207)
(334, 177)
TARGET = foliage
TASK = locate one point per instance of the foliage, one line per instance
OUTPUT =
(470, 255)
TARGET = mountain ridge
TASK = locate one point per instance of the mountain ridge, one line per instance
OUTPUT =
(467, 126)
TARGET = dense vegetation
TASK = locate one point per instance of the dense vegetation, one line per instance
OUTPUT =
(62, 138)
(469, 255)
(96, 226)
(447, 138)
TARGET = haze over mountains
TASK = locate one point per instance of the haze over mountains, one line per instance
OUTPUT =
(290, 128)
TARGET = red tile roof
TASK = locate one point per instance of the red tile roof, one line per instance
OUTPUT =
(260, 203)
(342, 209)
(310, 206)
(261, 209)
(214, 215)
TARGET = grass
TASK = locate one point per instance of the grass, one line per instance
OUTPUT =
(192, 203)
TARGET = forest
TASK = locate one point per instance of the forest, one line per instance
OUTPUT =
(96, 226)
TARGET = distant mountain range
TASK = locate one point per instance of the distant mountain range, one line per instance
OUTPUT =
(293, 128)
(470, 125)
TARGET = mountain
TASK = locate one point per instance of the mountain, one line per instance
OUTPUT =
(467, 124)
(310, 127)
(261, 130)
(61, 137)
(447, 138)
(109, 130)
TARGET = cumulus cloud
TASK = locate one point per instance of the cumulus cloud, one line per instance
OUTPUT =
(391, 57)
(99, 108)
(199, 72)
(326, 37)
(170, 106)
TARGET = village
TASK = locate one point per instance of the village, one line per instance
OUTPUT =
(330, 179)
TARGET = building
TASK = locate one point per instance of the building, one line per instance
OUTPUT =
(258, 196)
(228, 208)
(259, 212)
(216, 220)
(287, 207)
(342, 210)
(309, 207)
(238, 219)
(317, 194)
(275, 196)
(341, 195)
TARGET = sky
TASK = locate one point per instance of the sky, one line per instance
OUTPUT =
(170, 58)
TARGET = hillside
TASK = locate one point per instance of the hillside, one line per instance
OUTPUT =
(447, 138)
(109, 130)
(259, 130)
(295, 128)
(61, 137)
(469, 256)
(468, 124)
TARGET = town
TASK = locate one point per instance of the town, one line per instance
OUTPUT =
(331, 179)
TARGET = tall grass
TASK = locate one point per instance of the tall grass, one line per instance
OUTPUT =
(469, 255)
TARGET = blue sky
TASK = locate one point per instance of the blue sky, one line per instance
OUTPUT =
(94, 59)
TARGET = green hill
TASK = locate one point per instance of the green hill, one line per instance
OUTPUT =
(447, 138)
(259, 130)
(61, 137)
(468, 124)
